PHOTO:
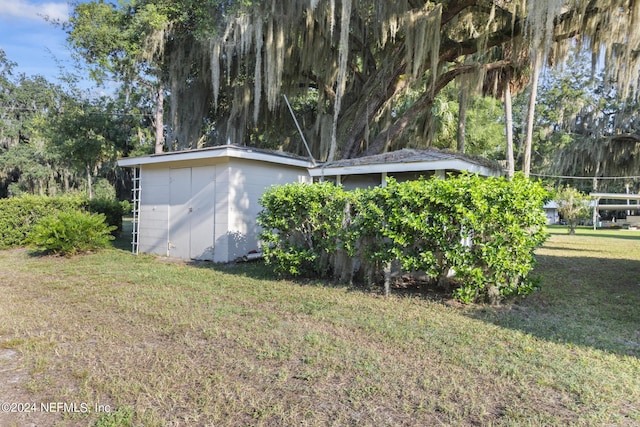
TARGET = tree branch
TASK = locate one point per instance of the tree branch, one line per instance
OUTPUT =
(424, 103)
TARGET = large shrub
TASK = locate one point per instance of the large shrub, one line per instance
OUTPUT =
(18, 215)
(505, 223)
(71, 232)
(479, 233)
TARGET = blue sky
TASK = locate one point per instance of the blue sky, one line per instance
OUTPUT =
(27, 39)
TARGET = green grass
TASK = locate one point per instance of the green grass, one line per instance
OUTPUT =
(168, 343)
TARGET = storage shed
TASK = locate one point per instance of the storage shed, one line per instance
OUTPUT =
(202, 204)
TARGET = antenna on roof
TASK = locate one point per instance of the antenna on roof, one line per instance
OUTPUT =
(313, 161)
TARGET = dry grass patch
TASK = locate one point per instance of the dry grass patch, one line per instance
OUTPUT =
(177, 344)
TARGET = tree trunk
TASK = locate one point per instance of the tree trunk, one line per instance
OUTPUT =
(159, 120)
(508, 119)
(89, 184)
(379, 87)
(528, 142)
(462, 117)
(387, 279)
(421, 105)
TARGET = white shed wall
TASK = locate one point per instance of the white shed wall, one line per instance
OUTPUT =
(248, 180)
(230, 225)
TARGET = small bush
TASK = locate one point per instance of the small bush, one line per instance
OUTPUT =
(69, 233)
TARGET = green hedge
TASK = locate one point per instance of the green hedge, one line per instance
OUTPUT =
(112, 209)
(477, 234)
(307, 219)
(18, 215)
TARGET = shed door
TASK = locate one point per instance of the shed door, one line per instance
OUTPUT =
(191, 212)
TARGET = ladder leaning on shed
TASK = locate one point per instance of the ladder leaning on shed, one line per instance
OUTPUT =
(135, 211)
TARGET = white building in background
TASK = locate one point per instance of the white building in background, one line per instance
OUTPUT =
(551, 211)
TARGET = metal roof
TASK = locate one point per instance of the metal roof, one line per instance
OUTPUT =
(615, 196)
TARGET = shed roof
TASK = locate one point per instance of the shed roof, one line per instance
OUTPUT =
(220, 151)
(405, 160)
(408, 160)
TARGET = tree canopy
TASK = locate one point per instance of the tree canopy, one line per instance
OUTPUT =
(363, 74)
(59, 139)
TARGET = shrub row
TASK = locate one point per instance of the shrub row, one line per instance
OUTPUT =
(18, 215)
(474, 234)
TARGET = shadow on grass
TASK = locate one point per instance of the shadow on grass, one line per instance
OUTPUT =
(258, 270)
(619, 234)
(564, 249)
(123, 241)
(401, 286)
(41, 253)
(254, 269)
(601, 232)
(584, 301)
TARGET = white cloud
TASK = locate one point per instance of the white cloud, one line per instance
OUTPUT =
(32, 10)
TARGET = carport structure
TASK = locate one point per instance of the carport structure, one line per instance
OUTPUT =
(597, 206)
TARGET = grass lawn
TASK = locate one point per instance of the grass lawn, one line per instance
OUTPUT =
(110, 339)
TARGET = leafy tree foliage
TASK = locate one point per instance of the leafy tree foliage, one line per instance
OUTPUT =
(148, 43)
(26, 164)
(573, 206)
(56, 140)
(484, 124)
(363, 77)
(373, 68)
(584, 129)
